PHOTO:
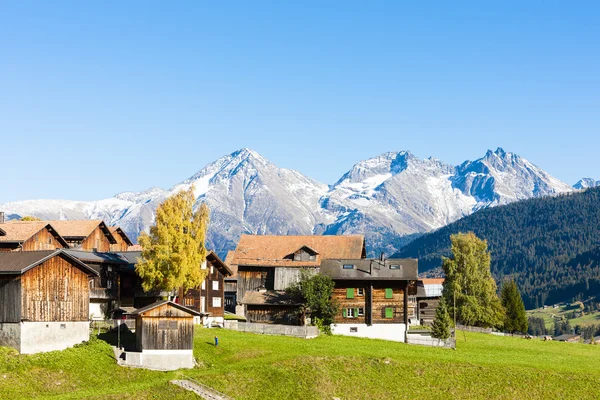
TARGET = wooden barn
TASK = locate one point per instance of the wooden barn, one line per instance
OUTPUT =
(209, 298)
(123, 241)
(87, 235)
(44, 300)
(164, 336)
(429, 293)
(377, 298)
(30, 236)
(273, 263)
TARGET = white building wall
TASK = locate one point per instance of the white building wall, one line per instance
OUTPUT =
(163, 360)
(395, 332)
(96, 311)
(38, 337)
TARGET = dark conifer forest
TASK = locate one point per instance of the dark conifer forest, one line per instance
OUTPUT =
(550, 246)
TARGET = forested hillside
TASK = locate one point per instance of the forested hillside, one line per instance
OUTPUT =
(550, 246)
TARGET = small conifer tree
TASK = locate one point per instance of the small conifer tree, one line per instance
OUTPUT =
(441, 323)
(515, 319)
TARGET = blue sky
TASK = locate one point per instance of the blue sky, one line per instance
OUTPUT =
(102, 97)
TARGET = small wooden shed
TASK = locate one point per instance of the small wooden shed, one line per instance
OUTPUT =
(164, 325)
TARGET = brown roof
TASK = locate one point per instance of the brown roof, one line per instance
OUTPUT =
(432, 281)
(22, 230)
(275, 298)
(232, 265)
(152, 306)
(18, 262)
(115, 230)
(274, 251)
(216, 261)
(79, 228)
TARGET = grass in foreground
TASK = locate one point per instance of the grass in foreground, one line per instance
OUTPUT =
(248, 366)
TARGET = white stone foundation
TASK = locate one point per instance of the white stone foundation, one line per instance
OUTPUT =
(163, 360)
(39, 337)
(395, 332)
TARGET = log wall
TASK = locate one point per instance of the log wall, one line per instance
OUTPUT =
(43, 240)
(10, 298)
(96, 240)
(164, 328)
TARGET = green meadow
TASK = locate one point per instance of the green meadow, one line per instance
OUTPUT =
(248, 366)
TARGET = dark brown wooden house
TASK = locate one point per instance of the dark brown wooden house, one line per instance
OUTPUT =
(429, 293)
(123, 241)
(373, 295)
(273, 263)
(209, 298)
(164, 336)
(87, 235)
(44, 300)
(30, 236)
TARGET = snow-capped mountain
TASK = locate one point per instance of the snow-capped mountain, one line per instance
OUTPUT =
(389, 198)
(586, 183)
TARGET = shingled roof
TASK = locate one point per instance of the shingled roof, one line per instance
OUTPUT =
(19, 262)
(81, 228)
(18, 232)
(277, 251)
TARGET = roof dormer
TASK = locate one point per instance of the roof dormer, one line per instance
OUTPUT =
(304, 253)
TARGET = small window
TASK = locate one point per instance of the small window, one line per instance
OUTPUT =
(360, 291)
(189, 301)
(353, 329)
(394, 266)
(389, 293)
(212, 270)
(216, 302)
(389, 312)
(361, 311)
(350, 313)
(215, 285)
(63, 326)
(312, 258)
(348, 266)
(349, 293)
(203, 285)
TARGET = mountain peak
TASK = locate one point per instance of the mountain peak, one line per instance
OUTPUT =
(586, 183)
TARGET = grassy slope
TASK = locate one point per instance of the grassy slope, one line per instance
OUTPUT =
(250, 366)
(588, 319)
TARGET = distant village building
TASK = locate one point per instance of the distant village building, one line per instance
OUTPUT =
(568, 338)
(88, 235)
(209, 298)
(44, 300)
(122, 240)
(429, 293)
(164, 334)
(30, 236)
(267, 264)
(373, 295)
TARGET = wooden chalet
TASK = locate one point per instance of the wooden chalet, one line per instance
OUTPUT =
(87, 235)
(164, 336)
(44, 300)
(373, 295)
(123, 241)
(429, 293)
(209, 298)
(230, 283)
(273, 263)
(30, 236)
(104, 288)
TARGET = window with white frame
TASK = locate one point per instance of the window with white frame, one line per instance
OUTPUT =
(203, 285)
(216, 302)
(360, 291)
(350, 313)
(361, 311)
(215, 285)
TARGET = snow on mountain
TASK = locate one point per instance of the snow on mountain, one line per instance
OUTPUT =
(388, 198)
(586, 183)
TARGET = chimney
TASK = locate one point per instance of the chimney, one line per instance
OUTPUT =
(1, 217)
(382, 257)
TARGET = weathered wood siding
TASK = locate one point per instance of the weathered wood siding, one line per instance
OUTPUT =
(254, 278)
(340, 295)
(96, 240)
(43, 240)
(209, 293)
(285, 277)
(380, 302)
(121, 244)
(427, 309)
(55, 291)
(10, 298)
(272, 314)
(164, 328)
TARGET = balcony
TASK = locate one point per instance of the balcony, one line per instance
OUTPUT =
(103, 293)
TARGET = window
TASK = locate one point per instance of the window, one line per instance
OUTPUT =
(216, 302)
(389, 312)
(395, 266)
(389, 293)
(361, 312)
(203, 285)
(215, 285)
(212, 269)
(348, 266)
(202, 304)
(189, 301)
(353, 329)
(350, 293)
(348, 313)
(312, 258)
(360, 291)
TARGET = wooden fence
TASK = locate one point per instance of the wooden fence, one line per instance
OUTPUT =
(306, 332)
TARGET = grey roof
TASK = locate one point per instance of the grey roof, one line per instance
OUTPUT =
(274, 298)
(18, 262)
(160, 303)
(566, 337)
(130, 256)
(96, 257)
(371, 269)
